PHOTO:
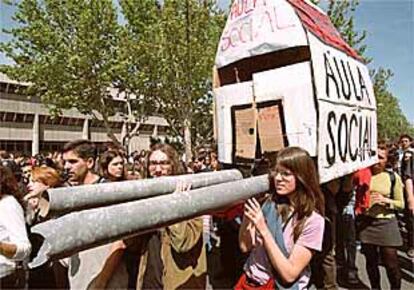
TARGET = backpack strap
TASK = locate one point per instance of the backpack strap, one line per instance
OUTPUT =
(392, 179)
(274, 221)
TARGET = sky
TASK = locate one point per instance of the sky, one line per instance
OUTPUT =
(390, 41)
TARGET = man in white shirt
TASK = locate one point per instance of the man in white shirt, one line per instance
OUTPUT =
(84, 268)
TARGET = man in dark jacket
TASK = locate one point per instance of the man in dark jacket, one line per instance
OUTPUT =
(407, 172)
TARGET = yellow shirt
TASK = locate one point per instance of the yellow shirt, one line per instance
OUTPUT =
(381, 183)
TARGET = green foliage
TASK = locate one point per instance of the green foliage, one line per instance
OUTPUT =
(341, 14)
(139, 49)
(172, 48)
(190, 34)
(72, 51)
(391, 121)
(66, 50)
(69, 51)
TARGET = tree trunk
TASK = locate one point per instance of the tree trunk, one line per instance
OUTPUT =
(105, 119)
(127, 134)
(187, 122)
(109, 131)
(187, 140)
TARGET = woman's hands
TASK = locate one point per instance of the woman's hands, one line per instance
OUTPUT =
(8, 250)
(253, 211)
(378, 198)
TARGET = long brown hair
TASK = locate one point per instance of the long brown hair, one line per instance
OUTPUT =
(9, 184)
(172, 154)
(308, 196)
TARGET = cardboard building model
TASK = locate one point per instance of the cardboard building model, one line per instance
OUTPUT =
(285, 77)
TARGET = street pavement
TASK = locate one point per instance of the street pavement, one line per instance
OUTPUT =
(407, 269)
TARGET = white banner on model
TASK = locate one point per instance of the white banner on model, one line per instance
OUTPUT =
(347, 112)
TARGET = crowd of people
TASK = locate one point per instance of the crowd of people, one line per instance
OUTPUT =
(273, 241)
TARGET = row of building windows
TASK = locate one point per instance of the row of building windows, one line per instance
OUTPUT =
(10, 88)
(25, 147)
(68, 121)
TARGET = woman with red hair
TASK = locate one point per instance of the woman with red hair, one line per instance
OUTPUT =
(41, 178)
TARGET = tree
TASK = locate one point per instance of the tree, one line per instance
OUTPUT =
(180, 40)
(341, 14)
(137, 57)
(190, 34)
(391, 121)
(68, 51)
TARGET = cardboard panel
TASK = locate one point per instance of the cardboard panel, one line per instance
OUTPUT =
(291, 86)
(226, 98)
(244, 69)
(328, 104)
(347, 140)
(245, 133)
(347, 124)
(258, 27)
(270, 129)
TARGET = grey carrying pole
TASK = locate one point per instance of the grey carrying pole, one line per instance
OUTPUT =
(68, 199)
(86, 229)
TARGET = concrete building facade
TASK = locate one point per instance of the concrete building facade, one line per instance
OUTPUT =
(26, 125)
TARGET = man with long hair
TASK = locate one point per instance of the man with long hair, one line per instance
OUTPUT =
(173, 257)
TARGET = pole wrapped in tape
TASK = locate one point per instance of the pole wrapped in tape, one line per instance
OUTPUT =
(69, 199)
(86, 229)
